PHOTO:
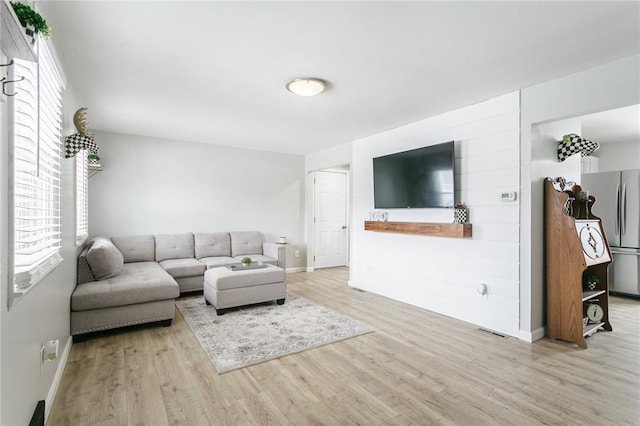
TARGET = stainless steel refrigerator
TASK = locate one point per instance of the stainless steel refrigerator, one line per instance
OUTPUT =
(618, 205)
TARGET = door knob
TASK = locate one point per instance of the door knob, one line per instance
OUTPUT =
(344, 226)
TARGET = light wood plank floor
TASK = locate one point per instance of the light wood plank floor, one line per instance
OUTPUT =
(417, 368)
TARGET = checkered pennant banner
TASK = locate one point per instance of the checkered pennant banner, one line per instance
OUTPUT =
(572, 144)
(78, 141)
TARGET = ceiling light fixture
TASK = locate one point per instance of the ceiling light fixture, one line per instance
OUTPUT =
(306, 86)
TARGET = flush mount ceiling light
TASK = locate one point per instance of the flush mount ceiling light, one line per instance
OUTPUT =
(306, 86)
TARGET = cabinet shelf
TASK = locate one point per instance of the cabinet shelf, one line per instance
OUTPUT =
(587, 295)
(453, 230)
(590, 329)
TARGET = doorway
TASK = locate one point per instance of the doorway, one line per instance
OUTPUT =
(330, 216)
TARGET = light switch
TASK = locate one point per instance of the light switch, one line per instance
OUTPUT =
(508, 196)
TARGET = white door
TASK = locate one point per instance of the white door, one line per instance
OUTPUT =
(330, 219)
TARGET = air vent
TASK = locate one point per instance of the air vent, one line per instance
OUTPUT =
(494, 333)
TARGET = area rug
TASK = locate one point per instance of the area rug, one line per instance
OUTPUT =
(258, 333)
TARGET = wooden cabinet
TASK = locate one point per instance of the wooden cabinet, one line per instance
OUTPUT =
(577, 258)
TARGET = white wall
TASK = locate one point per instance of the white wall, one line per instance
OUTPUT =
(544, 157)
(606, 87)
(618, 156)
(160, 186)
(43, 313)
(442, 274)
(337, 156)
(544, 163)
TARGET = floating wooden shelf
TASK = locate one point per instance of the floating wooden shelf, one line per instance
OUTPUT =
(93, 169)
(454, 230)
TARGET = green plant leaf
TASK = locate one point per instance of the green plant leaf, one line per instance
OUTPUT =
(27, 16)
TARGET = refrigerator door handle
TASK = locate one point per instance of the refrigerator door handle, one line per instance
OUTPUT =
(617, 226)
(623, 215)
(625, 253)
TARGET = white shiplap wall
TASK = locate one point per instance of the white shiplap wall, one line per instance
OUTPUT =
(442, 274)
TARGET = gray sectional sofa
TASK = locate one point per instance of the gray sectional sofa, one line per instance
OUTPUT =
(132, 280)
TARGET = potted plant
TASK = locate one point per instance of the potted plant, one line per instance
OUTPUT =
(246, 261)
(94, 159)
(592, 282)
(31, 20)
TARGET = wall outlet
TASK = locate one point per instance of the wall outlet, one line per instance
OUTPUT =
(296, 253)
(50, 350)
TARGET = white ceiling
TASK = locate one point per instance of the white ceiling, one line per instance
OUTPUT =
(616, 125)
(215, 72)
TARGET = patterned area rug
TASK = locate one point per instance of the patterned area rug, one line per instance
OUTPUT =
(259, 333)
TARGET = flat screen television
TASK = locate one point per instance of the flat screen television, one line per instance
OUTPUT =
(419, 178)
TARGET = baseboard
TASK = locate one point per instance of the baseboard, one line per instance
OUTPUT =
(310, 268)
(538, 333)
(296, 269)
(530, 337)
(53, 390)
(352, 285)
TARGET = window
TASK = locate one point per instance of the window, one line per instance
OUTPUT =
(35, 115)
(82, 200)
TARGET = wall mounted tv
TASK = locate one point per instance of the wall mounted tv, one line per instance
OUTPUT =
(420, 178)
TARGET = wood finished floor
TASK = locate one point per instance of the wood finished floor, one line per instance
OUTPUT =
(417, 368)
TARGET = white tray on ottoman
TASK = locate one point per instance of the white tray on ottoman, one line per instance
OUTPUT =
(224, 288)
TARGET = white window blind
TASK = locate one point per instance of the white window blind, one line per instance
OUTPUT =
(36, 121)
(82, 199)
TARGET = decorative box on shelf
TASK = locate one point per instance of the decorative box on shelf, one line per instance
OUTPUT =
(460, 213)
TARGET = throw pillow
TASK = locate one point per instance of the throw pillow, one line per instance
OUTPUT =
(104, 259)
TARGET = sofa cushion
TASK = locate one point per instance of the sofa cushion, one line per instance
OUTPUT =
(212, 244)
(138, 282)
(180, 268)
(217, 261)
(225, 279)
(174, 246)
(248, 242)
(138, 248)
(104, 259)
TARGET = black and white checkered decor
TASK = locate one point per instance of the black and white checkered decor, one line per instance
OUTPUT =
(78, 141)
(460, 215)
(572, 144)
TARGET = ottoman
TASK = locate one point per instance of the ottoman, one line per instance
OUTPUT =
(224, 288)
